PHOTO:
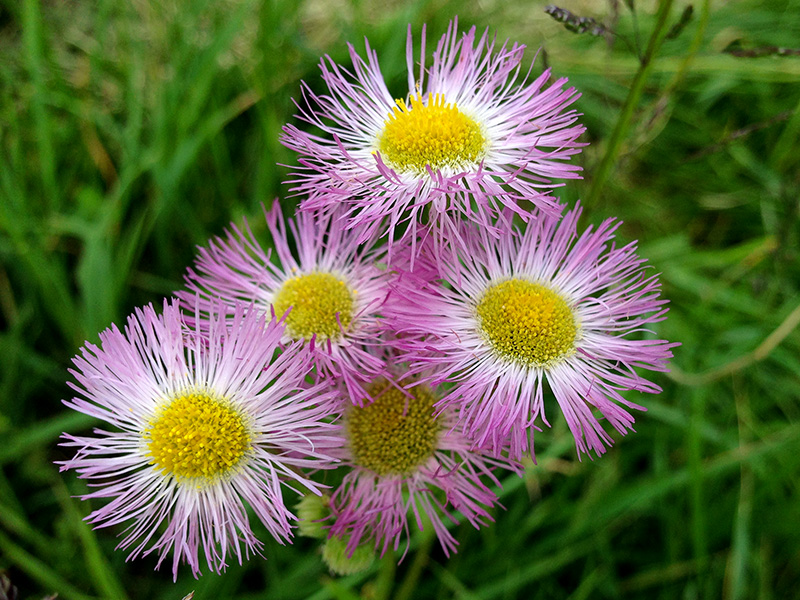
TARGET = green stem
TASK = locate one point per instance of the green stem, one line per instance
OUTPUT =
(38, 571)
(33, 38)
(694, 46)
(631, 102)
(659, 112)
(785, 147)
(764, 349)
(43, 433)
(385, 580)
(409, 585)
(101, 573)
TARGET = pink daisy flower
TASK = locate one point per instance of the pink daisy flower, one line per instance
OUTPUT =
(203, 426)
(525, 309)
(334, 289)
(474, 133)
(408, 461)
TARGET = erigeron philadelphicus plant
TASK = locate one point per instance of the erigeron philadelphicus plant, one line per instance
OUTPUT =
(408, 336)
(473, 134)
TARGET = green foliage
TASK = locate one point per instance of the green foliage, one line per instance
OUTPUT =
(130, 132)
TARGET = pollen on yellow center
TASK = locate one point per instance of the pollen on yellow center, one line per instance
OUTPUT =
(196, 436)
(396, 433)
(526, 322)
(317, 300)
(436, 134)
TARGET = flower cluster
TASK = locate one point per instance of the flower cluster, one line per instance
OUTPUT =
(404, 328)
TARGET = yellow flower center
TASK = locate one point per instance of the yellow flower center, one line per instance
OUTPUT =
(315, 299)
(196, 436)
(527, 323)
(436, 134)
(396, 433)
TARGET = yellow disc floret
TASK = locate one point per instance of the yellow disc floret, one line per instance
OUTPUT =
(316, 299)
(196, 436)
(435, 134)
(526, 322)
(396, 433)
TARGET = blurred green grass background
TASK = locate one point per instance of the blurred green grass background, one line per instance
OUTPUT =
(130, 132)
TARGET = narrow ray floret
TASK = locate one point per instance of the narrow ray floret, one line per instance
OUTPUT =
(331, 294)
(529, 309)
(203, 425)
(406, 461)
(472, 134)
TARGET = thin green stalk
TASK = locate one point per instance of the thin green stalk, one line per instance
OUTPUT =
(631, 500)
(536, 571)
(659, 112)
(33, 37)
(697, 477)
(409, 584)
(785, 148)
(38, 571)
(631, 103)
(385, 580)
(588, 585)
(740, 556)
(453, 583)
(694, 46)
(15, 522)
(30, 243)
(651, 578)
(637, 36)
(787, 326)
(338, 590)
(42, 434)
(101, 574)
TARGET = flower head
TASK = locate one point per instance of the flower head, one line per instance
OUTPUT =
(330, 295)
(203, 425)
(525, 309)
(476, 135)
(407, 460)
